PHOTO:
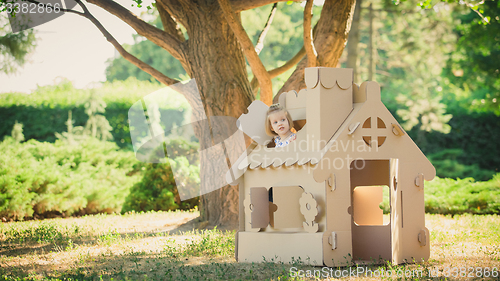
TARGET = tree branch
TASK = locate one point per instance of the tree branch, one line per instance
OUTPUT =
(289, 64)
(169, 24)
(308, 36)
(266, 93)
(477, 12)
(280, 70)
(157, 36)
(137, 62)
(262, 36)
(242, 5)
(332, 31)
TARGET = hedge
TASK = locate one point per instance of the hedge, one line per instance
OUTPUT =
(40, 179)
(45, 111)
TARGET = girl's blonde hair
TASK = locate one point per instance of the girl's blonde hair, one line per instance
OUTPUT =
(272, 109)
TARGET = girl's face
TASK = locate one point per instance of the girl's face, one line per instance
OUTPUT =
(279, 123)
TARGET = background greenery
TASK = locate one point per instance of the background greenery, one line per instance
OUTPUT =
(45, 111)
(41, 179)
(437, 66)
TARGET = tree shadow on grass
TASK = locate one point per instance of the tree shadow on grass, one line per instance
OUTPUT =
(16, 248)
(146, 266)
(161, 266)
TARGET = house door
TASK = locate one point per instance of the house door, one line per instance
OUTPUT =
(370, 227)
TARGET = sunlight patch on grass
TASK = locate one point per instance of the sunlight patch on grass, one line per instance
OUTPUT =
(120, 248)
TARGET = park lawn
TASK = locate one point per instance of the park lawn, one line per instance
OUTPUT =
(152, 246)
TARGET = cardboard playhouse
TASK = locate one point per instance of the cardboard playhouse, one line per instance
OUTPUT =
(317, 199)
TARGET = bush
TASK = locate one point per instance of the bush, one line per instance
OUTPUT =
(447, 166)
(157, 190)
(45, 111)
(41, 179)
(474, 134)
(448, 196)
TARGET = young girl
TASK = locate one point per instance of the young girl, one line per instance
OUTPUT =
(279, 125)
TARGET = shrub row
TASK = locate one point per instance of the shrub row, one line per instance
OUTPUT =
(449, 196)
(45, 111)
(471, 145)
(41, 179)
(157, 189)
(472, 133)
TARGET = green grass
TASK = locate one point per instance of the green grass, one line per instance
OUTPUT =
(139, 247)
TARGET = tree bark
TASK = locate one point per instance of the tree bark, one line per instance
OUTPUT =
(332, 32)
(353, 41)
(217, 63)
(311, 53)
(258, 69)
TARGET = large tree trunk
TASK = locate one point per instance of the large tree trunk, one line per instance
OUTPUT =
(213, 56)
(217, 63)
(219, 69)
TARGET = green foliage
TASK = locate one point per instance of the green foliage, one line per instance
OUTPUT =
(17, 132)
(14, 47)
(448, 196)
(97, 125)
(473, 66)
(458, 196)
(474, 134)
(45, 111)
(39, 179)
(447, 166)
(282, 42)
(412, 48)
(157, 190)
(150, 53)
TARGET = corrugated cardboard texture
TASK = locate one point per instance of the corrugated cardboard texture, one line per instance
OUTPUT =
(259, 205)
(329, 102)
(349, 145)
(371, 243)
(279, 247)
(288, 215)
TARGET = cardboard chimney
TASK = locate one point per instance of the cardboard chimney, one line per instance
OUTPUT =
(318, 198)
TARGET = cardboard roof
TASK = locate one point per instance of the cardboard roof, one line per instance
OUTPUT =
(367, 104)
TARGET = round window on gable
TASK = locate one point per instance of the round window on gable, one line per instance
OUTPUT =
(372, 132)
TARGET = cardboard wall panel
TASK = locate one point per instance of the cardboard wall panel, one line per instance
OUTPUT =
(286, 199)
(259, 206)
(279, 247)
(365, 205)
